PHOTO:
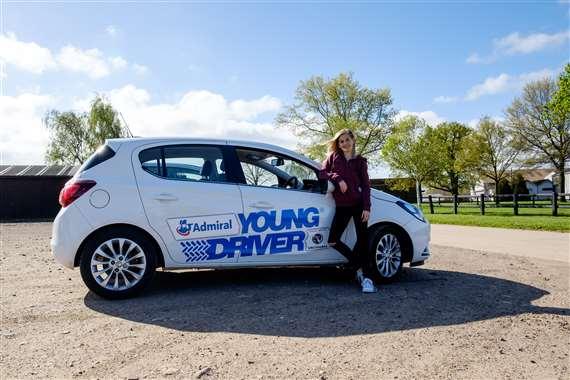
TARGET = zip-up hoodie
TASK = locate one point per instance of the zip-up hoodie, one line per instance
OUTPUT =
(355, 173)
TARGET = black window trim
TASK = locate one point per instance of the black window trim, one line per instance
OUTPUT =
(286, 156)
(228, 156)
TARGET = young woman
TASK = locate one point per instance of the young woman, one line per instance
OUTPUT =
(349, 173)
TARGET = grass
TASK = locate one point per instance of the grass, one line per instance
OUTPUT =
(469, 214)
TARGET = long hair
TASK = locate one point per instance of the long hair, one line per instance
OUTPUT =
(333, 143)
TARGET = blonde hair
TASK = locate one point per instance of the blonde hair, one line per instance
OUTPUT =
(333, 143)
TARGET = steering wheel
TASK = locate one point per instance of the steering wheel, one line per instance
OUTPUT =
(292, 182)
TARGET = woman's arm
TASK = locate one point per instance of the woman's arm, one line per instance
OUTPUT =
(327, 171)
(365, 185)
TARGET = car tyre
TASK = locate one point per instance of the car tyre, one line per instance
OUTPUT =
(386, 254)
(117, 263)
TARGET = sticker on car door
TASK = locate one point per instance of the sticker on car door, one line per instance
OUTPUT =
(215, 237)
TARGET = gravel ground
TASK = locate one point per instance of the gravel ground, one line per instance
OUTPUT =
(466, 314)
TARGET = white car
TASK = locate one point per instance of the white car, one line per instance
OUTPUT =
(142, 203)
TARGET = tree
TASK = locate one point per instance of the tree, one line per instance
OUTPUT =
(453, 155)
(74, 136)
(519, 184)
(325, 106)
(559, 105)
(539, 120)
(497, 150)
(407, 151)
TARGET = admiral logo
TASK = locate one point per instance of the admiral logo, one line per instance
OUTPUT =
(204, 226)
(183, 228)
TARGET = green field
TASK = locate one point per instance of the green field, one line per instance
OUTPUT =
(469, 214)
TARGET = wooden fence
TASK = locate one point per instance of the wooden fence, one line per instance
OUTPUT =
(514, 201)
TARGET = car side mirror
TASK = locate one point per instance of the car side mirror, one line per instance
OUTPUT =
(326, 186)
(279, 161)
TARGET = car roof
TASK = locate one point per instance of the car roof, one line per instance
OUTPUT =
(134, 142)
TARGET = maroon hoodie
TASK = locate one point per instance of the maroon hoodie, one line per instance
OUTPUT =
(355, 173)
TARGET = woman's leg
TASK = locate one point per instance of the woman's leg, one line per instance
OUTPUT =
(340, 221)
(361, 248)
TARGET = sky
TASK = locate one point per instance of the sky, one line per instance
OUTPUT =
(226, 69)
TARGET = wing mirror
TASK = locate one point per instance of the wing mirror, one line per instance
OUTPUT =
(279, 161)
(326, 186)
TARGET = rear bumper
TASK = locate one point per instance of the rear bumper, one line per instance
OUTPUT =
(69, 229)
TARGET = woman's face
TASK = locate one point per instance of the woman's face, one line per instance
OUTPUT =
(346, 143)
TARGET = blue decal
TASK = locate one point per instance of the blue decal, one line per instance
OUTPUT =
(195, 250)
(248, 245)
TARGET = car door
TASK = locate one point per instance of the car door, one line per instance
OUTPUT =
(283, 223)
(189, 201)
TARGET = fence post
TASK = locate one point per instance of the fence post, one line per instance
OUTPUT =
(533, 200)
(482, 204)
(516, 204)
(455, 202)
(430, 200)
(554, 203)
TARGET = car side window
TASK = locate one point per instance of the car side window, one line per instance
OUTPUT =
(268, 169)
(185, 162)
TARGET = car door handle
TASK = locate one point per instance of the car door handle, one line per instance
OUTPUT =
(262, 205)
(165, 197)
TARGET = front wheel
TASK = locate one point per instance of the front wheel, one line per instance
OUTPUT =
(386, 254)
(117, 263)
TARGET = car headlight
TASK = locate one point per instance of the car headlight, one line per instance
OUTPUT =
(416, 212)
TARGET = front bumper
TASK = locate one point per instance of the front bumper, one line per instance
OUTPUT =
(420, 234)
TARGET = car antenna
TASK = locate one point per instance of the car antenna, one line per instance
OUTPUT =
(130, 134)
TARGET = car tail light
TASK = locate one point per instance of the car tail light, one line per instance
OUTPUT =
(73, 190)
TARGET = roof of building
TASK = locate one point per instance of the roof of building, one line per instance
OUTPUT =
(38, 170)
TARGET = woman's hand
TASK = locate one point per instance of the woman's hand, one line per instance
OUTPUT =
(365, 215)
(343, 186)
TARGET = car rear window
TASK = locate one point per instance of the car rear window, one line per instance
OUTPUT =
(102, 154)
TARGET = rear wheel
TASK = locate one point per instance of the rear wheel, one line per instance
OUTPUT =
(117, 263)
(386, 254)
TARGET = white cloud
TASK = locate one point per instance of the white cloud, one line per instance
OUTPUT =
(505, 82)
(515, 44)
(111, 30)
(200, 113)
(23, 138)
(246, 110)
(118, 63)
(90, 62)
(445, 99)
(31, 57)
(430, 117)
(27, 56)
(140, 69)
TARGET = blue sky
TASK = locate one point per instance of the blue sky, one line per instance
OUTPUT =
(233, 66)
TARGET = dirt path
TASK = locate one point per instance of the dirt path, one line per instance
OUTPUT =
(537, 244)
(467, 314)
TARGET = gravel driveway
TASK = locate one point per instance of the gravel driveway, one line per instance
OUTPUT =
(466, 314)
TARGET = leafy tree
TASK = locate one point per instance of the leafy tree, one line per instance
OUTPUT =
(504, 187)
(453, 155)
(324, 106)
(497, 149)
(539, 120)
(74, 136)
(519, 184)
(559, 105)
(407, 151)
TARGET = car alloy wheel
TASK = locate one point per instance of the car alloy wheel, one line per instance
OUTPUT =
(118, 264)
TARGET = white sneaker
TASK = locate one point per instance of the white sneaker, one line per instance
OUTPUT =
(368, 286)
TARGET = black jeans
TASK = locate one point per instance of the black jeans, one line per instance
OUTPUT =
(357, 258)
